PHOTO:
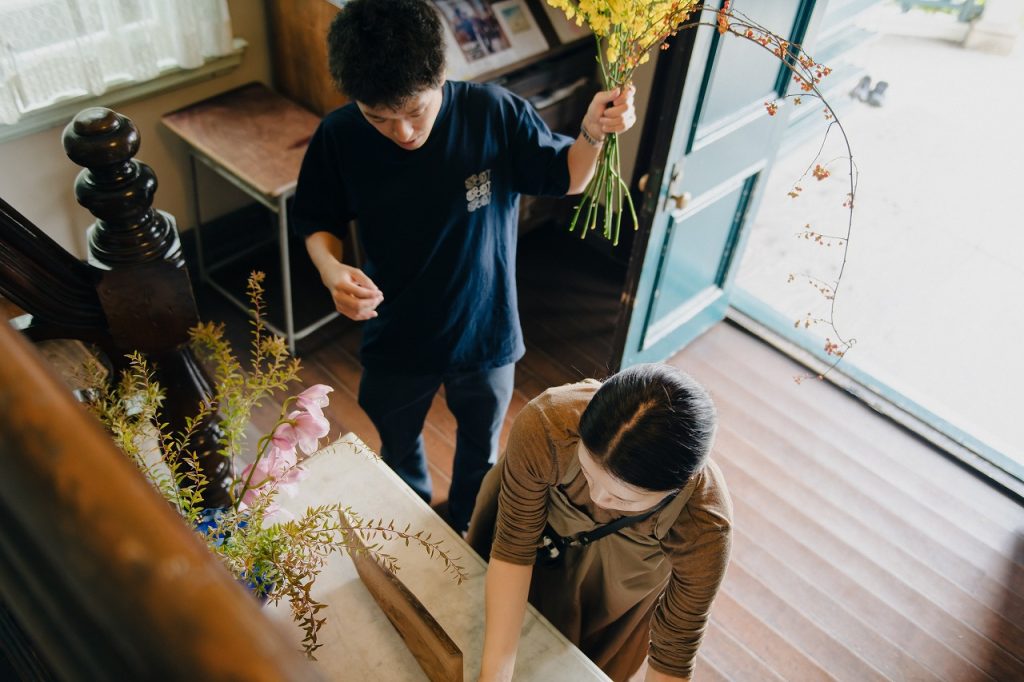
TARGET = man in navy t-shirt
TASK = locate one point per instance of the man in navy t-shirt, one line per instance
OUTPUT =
(432, 170)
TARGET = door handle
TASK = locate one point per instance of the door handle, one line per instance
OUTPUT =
(681, 201)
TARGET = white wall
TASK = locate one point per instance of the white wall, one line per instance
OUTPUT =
(38, 179)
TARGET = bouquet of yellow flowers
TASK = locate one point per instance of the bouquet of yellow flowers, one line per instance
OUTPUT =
(626, 32)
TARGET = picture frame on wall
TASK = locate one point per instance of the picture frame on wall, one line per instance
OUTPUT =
(482, 36)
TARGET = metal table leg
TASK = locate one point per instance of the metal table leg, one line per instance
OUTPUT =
(286, 271)
(200, 258)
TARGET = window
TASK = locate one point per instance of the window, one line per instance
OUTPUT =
(57, 50)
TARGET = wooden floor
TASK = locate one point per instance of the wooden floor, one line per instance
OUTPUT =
(860, 553)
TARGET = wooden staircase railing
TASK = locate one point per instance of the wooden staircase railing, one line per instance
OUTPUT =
(134, 294)
(98, 577)
(96, 568)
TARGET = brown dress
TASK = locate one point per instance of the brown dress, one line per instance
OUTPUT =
(646, 589)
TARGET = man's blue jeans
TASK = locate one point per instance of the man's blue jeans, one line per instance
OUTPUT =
(397, 403)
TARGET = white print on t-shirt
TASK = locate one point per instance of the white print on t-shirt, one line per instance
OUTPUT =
(478, 190)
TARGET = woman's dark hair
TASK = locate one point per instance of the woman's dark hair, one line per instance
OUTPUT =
(382, 52)
(650, 426)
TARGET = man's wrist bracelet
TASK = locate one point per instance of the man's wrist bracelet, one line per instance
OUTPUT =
(592, 141)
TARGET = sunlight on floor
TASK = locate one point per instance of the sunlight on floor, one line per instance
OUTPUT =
(931, 290)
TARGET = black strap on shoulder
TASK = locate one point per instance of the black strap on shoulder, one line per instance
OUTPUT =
(584, 539)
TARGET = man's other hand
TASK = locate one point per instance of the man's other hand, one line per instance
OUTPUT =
(355, 295)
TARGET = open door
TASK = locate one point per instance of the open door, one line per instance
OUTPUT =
(706, 144)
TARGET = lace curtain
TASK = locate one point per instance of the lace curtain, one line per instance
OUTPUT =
(52, 50)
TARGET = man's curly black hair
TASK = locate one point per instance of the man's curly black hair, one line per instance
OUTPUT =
(382, 52)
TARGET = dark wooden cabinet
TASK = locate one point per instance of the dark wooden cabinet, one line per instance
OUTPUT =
(298, 46)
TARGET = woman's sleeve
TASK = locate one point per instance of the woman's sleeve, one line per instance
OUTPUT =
(528, 471)
(681, 616)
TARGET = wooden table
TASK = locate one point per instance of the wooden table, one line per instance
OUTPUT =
(360, 643)
(255, 139)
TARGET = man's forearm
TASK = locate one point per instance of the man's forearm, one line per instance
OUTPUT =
(582, 162)
(323, 248)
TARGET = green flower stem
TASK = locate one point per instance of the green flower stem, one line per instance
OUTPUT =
(629, 202)
(609, 202)
(591, 202)
(603, 193)
(618, 187)
(261, 449)
(606, 159)
(580, 206)
(595, 201)
(607, 185)
(579, 209)
(615, 205)
(588, 223)
(600, 61)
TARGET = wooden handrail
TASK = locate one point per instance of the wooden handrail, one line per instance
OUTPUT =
(134, 294)
(103, 576)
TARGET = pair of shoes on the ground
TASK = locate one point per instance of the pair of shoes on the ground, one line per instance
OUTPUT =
(865, 93)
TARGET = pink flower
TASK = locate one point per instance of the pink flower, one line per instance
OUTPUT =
(314, 398)
(271, 508)
(253, 496)
(274, 464)
(310, 427)
(284, 436)
(276, 471)
(278, 461)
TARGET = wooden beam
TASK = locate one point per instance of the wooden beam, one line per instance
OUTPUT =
(101, 573)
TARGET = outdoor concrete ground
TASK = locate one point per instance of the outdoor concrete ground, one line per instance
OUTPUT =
(933, 286)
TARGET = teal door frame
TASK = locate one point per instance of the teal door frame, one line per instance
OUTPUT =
(724, 158)
(707, 140)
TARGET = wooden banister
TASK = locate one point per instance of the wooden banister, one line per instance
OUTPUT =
(37, 274)
(134, 294)
(99, 571)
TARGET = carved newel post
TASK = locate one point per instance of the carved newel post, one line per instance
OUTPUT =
(119, 191)
(143, 287)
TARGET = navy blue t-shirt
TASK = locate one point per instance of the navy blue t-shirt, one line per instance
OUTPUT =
(438, 223)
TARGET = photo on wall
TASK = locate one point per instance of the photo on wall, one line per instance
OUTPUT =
(514, 18)
(483, 36)
(475, 28)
